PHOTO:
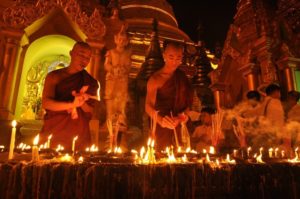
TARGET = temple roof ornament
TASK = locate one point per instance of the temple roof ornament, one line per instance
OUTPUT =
(24, 13)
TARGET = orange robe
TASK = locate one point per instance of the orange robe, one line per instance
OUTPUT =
(173, 97)
(60, 124)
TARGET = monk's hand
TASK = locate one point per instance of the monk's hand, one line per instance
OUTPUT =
(79, 100)
(183, 118)
(168, 122)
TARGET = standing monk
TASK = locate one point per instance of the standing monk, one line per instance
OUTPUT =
(66, 100)
(169, 96)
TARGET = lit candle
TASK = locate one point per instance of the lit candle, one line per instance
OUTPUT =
(276, 152)
(234, 153)
(248, 151)
(48, 141)
(270, 152)
(73, 144)
(212, 150)
(12, 140)
(35, 149)
(261, 150)
(282, 154)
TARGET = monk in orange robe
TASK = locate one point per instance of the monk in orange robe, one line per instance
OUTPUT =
(169, 95)
(66, 99)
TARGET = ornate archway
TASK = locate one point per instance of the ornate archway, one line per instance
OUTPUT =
(25, 22)
(42, 56)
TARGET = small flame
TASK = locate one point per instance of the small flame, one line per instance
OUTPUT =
(259, 158)
(188, 150)
(179, 149)
(134, 151)
(184, 158)
(212, 150)
(66, 158)
(59, 148)
(14, 123)
(270, 152)
(75, 138)
(207, 157)
(228, 160)
(80, 159)
(204, 151)
(296, 159)
(98, 91)
(36, 140)
(276, 152)
(142, 152)
(152, 143)
(49, 137)
(282, 153)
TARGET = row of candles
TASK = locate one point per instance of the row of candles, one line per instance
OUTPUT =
(145, 155)
(35, 147)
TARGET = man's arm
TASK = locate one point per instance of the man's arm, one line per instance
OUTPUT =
(48, 101)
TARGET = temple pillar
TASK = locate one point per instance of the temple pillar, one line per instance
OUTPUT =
(94, 67)
(94, 70)
(288, 65)
(8, 73)
(219, 94)
(250, 72)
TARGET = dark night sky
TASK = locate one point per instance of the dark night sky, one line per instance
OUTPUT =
(214, 15)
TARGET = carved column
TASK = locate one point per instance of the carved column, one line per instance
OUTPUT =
(219, 94)
(94, 68)
(288, 65)
(250, 72)
(9, 69)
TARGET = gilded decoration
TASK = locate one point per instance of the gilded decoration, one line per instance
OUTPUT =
(31, 105)
(24, 13)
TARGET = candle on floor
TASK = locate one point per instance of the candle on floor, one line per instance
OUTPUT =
(73, 144)
(12, 140)
(35, 149)
(48, 141)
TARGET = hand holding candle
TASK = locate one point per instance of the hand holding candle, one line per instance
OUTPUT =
(12, 140)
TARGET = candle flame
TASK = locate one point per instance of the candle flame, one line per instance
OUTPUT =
(49, 137)
(228, 160)
(75, 138)
(259, 158)
(80, 159)
(212, 150)
(36, 140)
(14, 123)
(66, 158)
(98, 91)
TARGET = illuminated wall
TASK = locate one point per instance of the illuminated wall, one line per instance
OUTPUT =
(41, 57)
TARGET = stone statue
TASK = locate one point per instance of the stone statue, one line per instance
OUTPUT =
(117, 65)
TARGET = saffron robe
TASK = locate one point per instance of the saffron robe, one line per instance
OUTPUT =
(60, 124)
(174, 97)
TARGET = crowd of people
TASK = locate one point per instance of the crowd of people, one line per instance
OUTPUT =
(261, 120)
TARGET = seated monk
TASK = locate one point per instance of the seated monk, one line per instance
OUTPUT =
(66, 99)
(169, 95)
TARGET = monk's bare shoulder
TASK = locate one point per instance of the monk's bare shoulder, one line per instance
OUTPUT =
(56, 75)
(155, 80)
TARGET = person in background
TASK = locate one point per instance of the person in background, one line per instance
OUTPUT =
(201, 137)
